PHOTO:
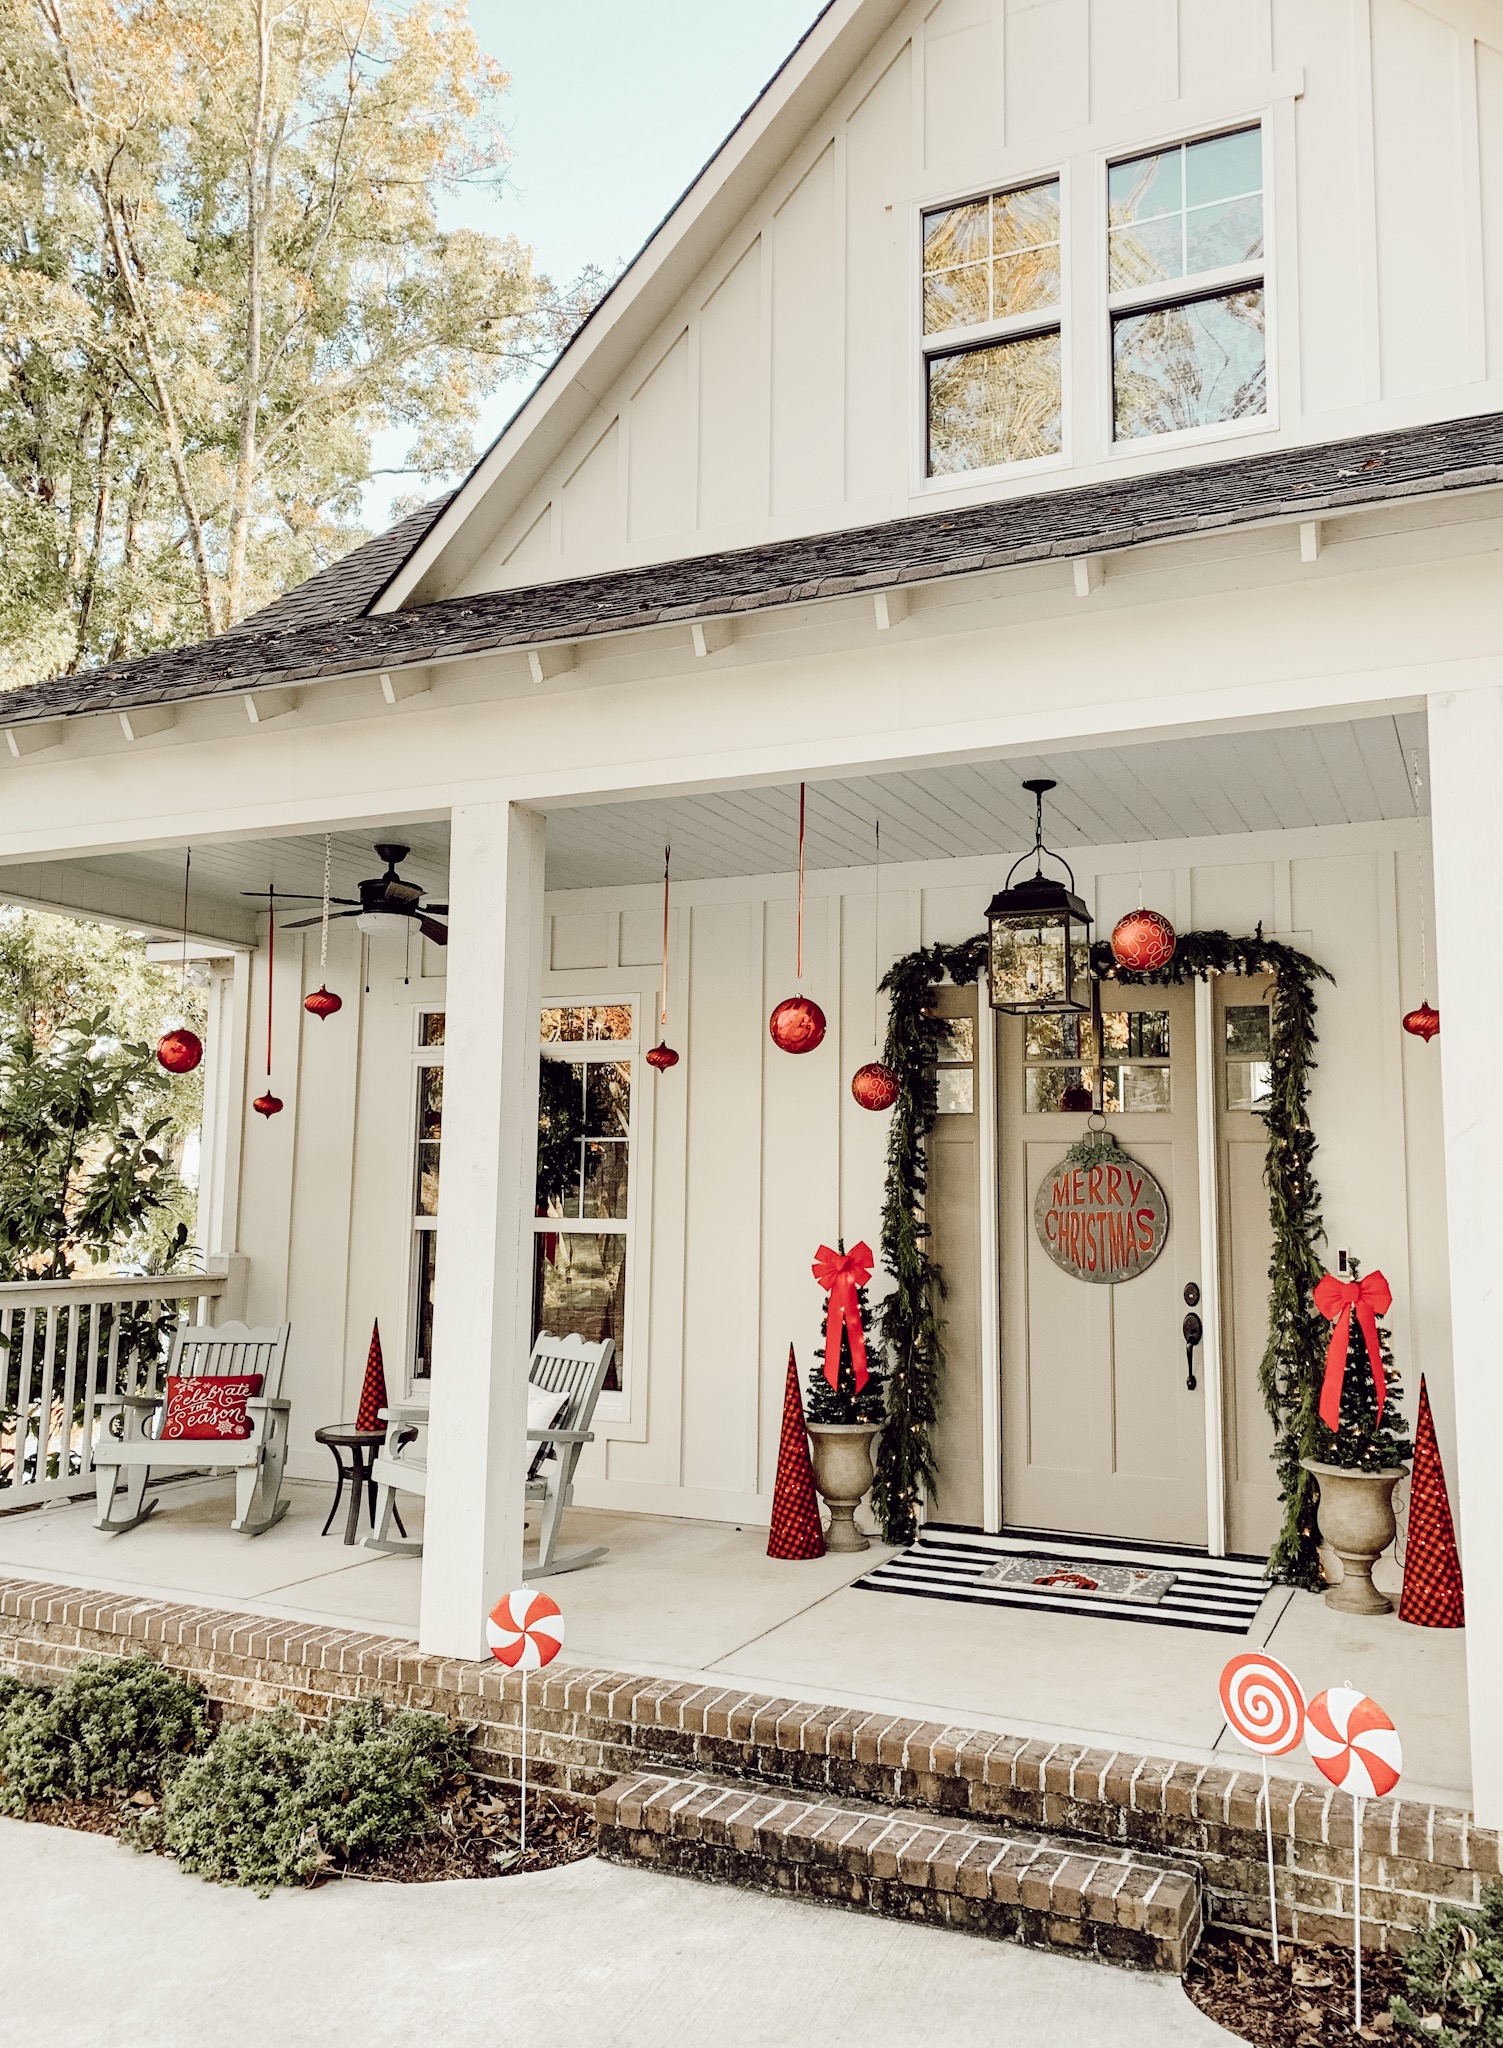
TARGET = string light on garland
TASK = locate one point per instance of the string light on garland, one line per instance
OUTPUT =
(180, 1050)
(875, 1086)
(1424, 1022)
(323, 1002)
(662, 1055)
(798, 1024)
(269, 1105)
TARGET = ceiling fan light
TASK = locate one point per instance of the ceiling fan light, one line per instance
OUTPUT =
(375, 922)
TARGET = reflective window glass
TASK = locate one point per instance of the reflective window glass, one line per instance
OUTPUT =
(1002, 403)
(1192, 365)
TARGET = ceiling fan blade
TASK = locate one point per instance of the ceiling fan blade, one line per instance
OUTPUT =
(433, 931)
(436, 909)
(303, 924)
(292, 896)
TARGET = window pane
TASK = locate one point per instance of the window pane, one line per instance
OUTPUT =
(1148, 1034)
(1248, 1084)
(1146, 186)
(429, 1134)
(1140, 1088)
(994, 405)
(1044, 1087)
(957, 1040)
(1229, 232)
(605, 1171)
(1021, 220)
(957, 1091)
(1223, 166)
(561, 1112)
(1022, 283)
(563, 1026)
(1144, 255)
(427, 1266)
(1054, 1037)
(579, 1283)
(1247, 1031)
(1189, 366)
(609, 1020)
(961, 234)
(431, 1028)
(957, 298)
(607, 1098)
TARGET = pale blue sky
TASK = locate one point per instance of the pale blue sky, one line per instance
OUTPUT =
(614, 106)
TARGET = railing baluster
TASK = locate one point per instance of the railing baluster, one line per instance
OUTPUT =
(23, 1397)
(93, 1389)
(70, 1393)
(46, 1393)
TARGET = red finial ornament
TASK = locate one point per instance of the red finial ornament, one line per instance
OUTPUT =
(875, 1086)
(1423, 1023)
(180, 1051)
(661, 1058)
(798, 1025)
(1143, 941)
(322, 1003)
(268, 1105)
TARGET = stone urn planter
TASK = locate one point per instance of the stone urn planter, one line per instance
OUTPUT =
(1357, 1521)
(843, 1472)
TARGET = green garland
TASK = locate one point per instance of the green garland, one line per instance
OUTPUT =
(909, 1318)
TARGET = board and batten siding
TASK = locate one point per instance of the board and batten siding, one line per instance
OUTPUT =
(781, 392)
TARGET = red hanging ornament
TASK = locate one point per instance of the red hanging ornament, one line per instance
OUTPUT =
(268, 1105)
(180, 1051)
(661, 1058)
(875, 1086)
(322, 1003)
(1423, 1023)
(1077, 1100)
(797, 1025)
(1143, 941)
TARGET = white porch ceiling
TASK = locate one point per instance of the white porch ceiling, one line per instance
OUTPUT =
(1348, 772)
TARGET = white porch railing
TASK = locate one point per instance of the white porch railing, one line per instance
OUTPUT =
(64, 1344)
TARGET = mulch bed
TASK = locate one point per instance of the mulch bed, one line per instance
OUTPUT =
(1303, 2002)
(478, 1834)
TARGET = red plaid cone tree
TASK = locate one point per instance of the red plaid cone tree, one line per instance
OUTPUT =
(796, 1530)
(1432, 1570)
(373, 1393)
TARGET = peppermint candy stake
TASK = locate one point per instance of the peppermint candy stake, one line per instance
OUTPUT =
(1353, 1743)
(1265, 1709)
(525, 1631)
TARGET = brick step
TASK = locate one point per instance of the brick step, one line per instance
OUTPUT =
(1118, 1905)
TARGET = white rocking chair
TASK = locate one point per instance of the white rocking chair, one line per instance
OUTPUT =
(257, 1461)
(565, 1366)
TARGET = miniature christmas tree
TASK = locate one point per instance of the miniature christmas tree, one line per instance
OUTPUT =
(1364, 1440)
(842, 1403)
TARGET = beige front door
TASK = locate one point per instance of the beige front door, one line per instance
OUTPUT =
(1100, 1433)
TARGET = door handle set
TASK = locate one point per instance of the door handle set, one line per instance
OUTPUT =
(1192, 1330)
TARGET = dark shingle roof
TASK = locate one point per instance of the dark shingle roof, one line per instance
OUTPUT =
(348, 587)
(1455, 455)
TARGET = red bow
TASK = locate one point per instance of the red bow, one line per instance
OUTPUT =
(842, 1273)
(1371, 1297)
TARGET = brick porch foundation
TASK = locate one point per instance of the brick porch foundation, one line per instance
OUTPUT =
(590, 1729)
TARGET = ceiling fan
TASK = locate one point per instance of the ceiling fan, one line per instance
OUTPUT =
(385, 903)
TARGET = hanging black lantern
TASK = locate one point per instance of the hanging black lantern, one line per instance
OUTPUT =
(1039, 934)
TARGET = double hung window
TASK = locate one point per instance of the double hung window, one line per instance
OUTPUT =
(992, 330)
(1186, 291)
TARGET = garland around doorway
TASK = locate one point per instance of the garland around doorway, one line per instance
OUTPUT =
(909, 1321)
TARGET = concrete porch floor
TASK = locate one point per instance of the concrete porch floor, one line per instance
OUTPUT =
(682, 1599)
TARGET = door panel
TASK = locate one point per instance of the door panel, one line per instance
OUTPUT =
(1252, 1495)
(1100, 1433)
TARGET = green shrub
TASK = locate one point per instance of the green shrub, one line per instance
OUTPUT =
(113, 1726)
(1454, 1978)
(13, 1690)
(269, 1804)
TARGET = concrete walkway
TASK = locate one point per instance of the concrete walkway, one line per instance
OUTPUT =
(107, 1949)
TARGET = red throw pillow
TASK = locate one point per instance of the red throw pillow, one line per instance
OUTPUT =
(209, 1409)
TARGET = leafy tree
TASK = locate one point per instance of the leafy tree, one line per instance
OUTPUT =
(222, 273)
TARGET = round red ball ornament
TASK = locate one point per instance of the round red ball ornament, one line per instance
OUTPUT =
(661, 1058)
(1143, 942)
(267, 1105)
(180, 1051)
(797, 1025)
(1423, 1023)
(1077, 1099)
(875, 1086)
(322, 1003)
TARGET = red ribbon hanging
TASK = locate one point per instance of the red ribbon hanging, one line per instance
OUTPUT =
(1371, 1297)
(843, 1273)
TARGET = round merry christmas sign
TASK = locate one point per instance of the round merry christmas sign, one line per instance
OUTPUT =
(1100, 1215)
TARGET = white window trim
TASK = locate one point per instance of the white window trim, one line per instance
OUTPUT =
(616, 1406)
(923, 348)
(416, 1225)
(1170, 291)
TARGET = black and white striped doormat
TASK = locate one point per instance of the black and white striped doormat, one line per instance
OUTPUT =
(1074, 1575)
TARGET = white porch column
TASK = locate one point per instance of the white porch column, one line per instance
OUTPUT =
(472, 1548)
(1466, 826)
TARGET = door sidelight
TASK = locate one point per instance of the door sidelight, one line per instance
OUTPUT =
(1192, 1330)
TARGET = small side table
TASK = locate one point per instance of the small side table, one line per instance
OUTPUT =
(354, 1452)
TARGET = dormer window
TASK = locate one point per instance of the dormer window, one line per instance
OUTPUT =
(1185, 278)
(992, 330)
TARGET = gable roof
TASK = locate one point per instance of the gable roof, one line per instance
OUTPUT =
(1299, 483)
